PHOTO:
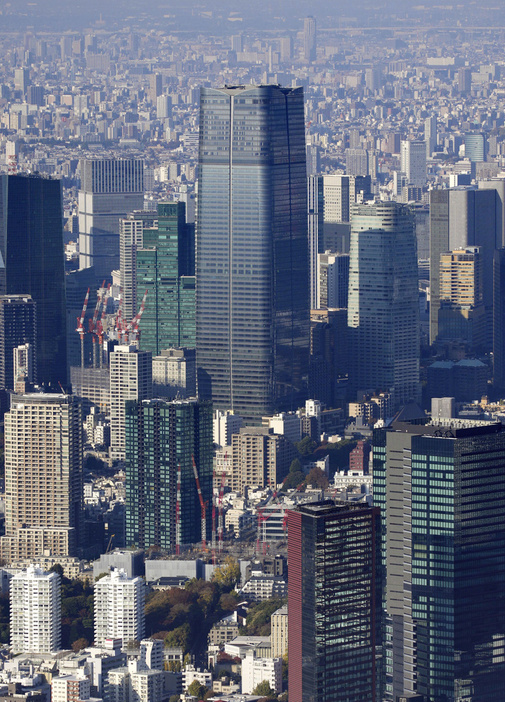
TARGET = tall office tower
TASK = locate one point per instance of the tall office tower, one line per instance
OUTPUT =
(460, 218)
(342, 191)
(35, 611)
(462, 315)
(499, 318)
(440, 488)
(315, 204)
(110, 188)
(334, 603)
(286, 48)
(309, 39)
(162, 438)
(413, 162)
(163, 107)
(165, 269)
(356, 162)
(119, 608)
(18, 326)
(131, 230)
(430, 134)
(31, 247)
(252, 318)
(21, 79)
(313, 156)
(498, 185)
(131, 378)
(43, 476)
(333, 281)
(475, 146)
(237, 43)
(383, 308)
(465, 80)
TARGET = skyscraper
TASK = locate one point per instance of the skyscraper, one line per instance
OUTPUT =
(333, 280)
(43, 476)
(383, 311)
(18, 325)
(334, 603)
(460, 218)
(131, 231)
(499, 318)
(131, 378)
(110, 189)
(440, 487)
(161, 439)
(430, 134)
(31, 247)
(413, 162)
(35, 611)
(165, 269)
(119, 608)
(315, 225)
(309, 39)
(252, 319)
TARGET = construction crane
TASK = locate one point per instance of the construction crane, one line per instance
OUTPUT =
(220, 525)
(134, 324)
(80, 326)
(100, 323)
(202, 505)
(178, 513)
(93, 321)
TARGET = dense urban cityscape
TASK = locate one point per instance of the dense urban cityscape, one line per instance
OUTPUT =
(252, 352)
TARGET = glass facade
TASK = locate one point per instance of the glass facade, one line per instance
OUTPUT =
(160, 436)
(252, 250)
(165, 268)
(31, 246)
(334, 603)
(446, 606)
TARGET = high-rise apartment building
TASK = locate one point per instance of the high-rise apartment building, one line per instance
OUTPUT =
(18, 327)
(440, 487)
(131, 378)
(334, 603)
(31, 246)
(131, 231)
(162, 439)
(333, 280)
(383, 309)
(430, 135)
(462, 315)
(460, 218)
(309, 39)
(259, 458)
(165, 269)
(413, 162)
(110, 189)
(119, 608)
(43, 476)
(252, 319)
(35, 611)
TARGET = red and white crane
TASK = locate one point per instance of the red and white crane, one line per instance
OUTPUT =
(80, 326)
(202, 505)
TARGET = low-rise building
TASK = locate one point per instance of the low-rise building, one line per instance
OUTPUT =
(256, 670)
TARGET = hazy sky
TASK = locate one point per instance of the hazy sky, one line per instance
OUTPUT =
(44, 15)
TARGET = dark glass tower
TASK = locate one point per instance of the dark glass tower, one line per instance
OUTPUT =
(160, 436)
(165, 268)
(334, 603)
(18, 326)
(31, 246)
(441, 490)
(252, 319)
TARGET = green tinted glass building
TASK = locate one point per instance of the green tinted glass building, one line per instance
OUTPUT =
(165, 268)
(160, 436)
(441, 490)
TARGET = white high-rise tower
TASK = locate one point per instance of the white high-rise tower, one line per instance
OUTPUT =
(35, 611)
(119, 608)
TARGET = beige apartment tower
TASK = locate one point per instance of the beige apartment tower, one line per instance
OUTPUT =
(43, 476)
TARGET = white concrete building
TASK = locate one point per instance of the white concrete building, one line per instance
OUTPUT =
(70, 688)
(35, 611)
(225, 424)
(256, 670)
(286, 423)
(130, 684)
(119, 608)
(190, 674)
(151, 654)
(130, 379)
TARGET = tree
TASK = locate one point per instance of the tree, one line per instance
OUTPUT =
(228, 574)
(174, 698)
(57, 568)
(79, 644)
(295, 466)
(294, 480)
(197, 690)
(317, 478)
(263, 688)
(306, 446)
